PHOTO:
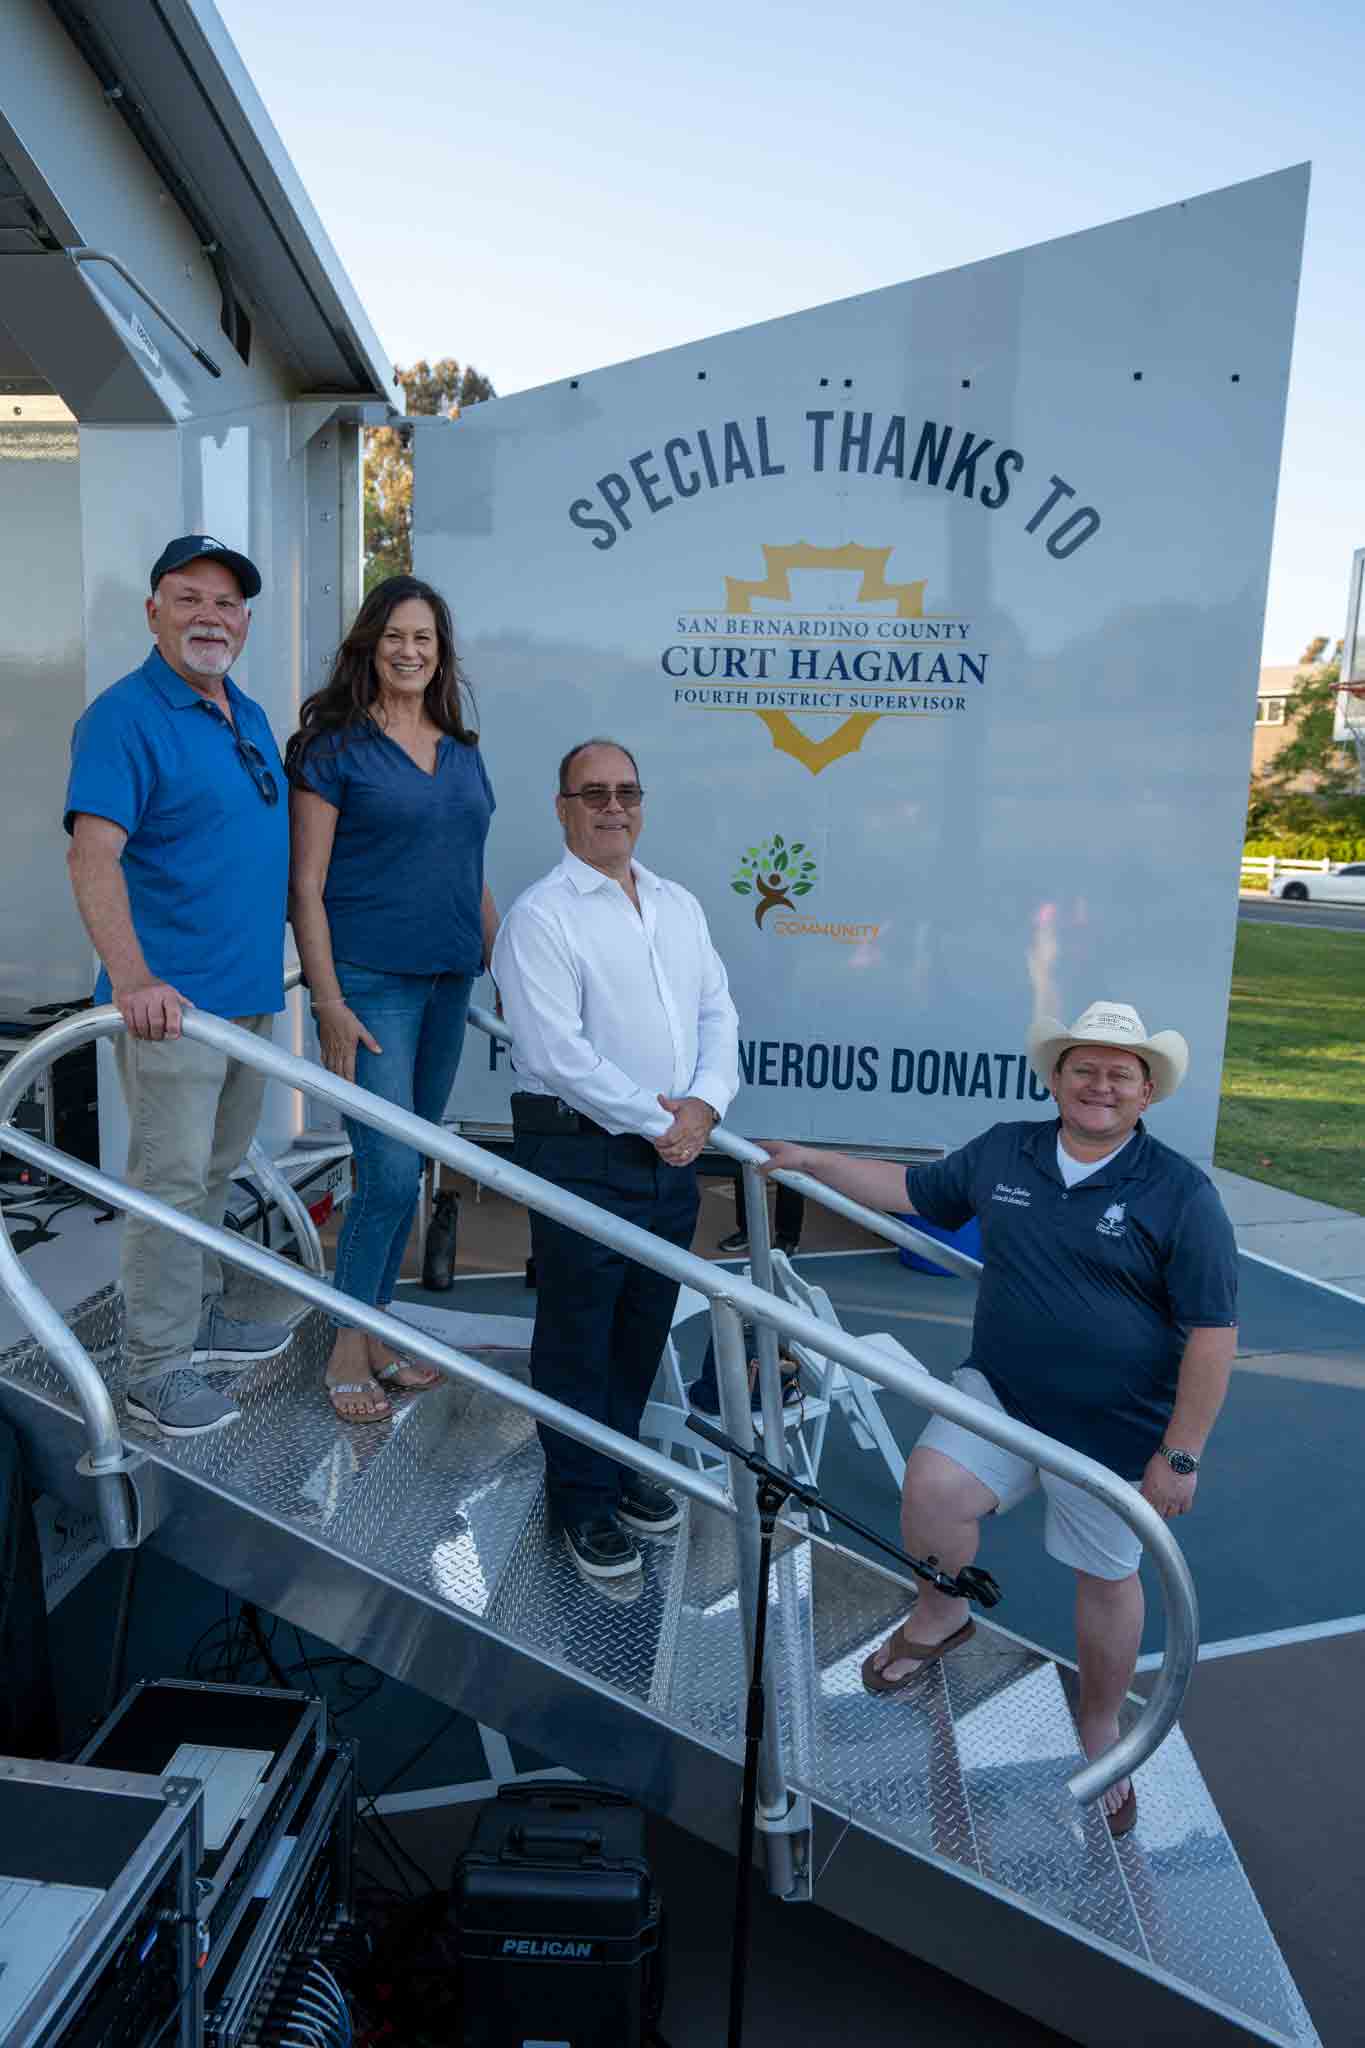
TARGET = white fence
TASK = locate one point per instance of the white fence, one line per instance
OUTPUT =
(1265, 867)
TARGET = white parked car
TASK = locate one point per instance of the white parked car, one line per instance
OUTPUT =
(1342, 884)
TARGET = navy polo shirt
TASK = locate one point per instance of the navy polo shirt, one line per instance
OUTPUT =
(1088, 1293)
(405, 880)
(206, 859)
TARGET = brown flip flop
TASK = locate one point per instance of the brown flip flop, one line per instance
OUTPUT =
(920, 1652)
(1123, 1819)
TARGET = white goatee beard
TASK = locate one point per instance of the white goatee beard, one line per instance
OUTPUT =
(208, 657)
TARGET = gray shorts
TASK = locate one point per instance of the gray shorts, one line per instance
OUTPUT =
(1078, 1530)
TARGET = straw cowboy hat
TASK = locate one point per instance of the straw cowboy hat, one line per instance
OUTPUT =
(1117, 1024)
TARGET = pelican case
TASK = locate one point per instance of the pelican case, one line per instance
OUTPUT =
(558, 1922)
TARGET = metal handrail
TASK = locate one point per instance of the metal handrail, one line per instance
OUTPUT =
(116, 263)
(745, 1153)
(410, 1337)
(1177, 1586)
(731, 1296)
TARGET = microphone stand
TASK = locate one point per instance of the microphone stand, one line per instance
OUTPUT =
(775, 1489)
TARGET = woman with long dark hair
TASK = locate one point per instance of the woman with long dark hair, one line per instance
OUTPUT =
(390, 806)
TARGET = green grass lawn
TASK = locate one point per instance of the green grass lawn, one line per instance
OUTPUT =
(1293, 1104)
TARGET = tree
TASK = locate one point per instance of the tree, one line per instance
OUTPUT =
(1310, 751)
(440, 390)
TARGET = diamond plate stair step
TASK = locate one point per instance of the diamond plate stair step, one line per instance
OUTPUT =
(964, 1773)
(969, 1766)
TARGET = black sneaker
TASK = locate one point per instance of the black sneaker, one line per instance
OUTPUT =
(737, 1241)
(601, 1548)
(648, 1508)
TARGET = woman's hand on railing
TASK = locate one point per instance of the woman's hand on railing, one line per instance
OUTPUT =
(340, 1031)
(152, 1010)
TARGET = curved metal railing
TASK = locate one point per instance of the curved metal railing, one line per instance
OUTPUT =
(733, 1299)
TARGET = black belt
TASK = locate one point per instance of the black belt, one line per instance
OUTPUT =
(545, 1116)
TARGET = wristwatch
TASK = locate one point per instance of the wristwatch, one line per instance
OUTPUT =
(1183, 1463)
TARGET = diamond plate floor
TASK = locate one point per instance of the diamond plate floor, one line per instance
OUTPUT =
(967, 1767)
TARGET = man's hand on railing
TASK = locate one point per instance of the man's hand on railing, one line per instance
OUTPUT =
(783, 1155)
(152, 1010)
(340, 1031)
(871, 1183)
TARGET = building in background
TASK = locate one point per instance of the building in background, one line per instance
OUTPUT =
(1275, 690)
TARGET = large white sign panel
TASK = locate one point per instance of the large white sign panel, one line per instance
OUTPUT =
(934, 618)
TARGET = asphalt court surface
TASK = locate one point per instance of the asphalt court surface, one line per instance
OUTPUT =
(1318, 917)
(1274, 1536)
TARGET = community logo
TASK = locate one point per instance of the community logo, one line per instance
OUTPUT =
(825, 634)
(1111, 1223)
(776, 873)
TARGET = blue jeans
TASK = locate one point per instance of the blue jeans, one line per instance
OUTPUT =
(419, 1020)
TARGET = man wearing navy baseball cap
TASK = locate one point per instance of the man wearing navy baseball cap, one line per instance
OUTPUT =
(179, 862)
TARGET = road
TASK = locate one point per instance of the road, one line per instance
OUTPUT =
(1317, 917)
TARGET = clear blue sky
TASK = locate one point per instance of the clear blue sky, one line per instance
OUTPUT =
(539, 190)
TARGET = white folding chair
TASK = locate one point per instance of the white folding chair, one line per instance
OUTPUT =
(665, 1418)
(851, 1392)
(664, 1422)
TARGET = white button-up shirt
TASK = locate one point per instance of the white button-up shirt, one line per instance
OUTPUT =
(611, 1007)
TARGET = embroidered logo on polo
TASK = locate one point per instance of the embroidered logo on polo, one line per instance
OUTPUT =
(1018, 1198)
(1112, 1222)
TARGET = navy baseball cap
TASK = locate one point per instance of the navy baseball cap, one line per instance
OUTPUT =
(194, 547)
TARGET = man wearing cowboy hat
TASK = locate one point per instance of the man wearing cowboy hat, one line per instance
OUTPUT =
(1106, 1317)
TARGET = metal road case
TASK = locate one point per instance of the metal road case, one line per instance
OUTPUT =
(62, 1106)
(255, 1751)
(299, 1897)
(99, 1932)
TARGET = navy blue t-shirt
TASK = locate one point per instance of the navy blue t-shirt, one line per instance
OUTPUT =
(405, 881)
(1088, 1293)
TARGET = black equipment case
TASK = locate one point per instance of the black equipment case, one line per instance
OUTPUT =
(558, 1922)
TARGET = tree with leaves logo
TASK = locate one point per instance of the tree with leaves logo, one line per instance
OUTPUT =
(776, 873)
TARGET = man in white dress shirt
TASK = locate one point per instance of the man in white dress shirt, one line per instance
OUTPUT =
(625, 1046)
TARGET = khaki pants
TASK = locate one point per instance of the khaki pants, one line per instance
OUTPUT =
(192, 1112)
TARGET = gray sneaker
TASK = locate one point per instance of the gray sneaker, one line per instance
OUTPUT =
(228, 1341)
(179, 1403)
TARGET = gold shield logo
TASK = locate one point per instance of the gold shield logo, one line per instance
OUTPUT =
(873, 588)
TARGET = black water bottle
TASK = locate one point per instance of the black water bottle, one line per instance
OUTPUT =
(438, 1259)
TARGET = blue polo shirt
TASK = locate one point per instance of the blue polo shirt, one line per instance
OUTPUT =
(405, 880)
(206, 859)
(1088, 1293)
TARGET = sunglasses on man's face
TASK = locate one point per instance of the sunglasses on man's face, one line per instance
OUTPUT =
(597, 795)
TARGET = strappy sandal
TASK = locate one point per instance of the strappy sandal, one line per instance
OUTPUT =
(387, 1375)
(919, 1653)
(352, 1388)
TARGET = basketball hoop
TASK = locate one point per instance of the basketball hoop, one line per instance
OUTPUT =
(1351, 706)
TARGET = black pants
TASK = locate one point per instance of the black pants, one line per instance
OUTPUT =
(601, 1320)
